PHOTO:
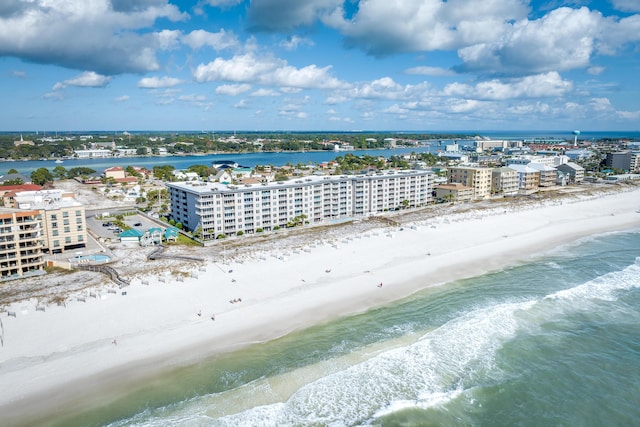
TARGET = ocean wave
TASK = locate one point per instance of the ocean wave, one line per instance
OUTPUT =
(605, 287)
(427, 372)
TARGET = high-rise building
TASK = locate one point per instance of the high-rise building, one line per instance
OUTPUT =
(213, 209)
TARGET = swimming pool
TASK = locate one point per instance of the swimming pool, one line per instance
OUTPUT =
(90, 259)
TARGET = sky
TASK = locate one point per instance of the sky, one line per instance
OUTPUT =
(319, 65)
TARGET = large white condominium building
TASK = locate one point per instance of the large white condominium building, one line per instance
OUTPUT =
(214, 209)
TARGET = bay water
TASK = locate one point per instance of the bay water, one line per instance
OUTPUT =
(555, 341)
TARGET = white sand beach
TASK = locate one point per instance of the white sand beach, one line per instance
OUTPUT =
(66, 355)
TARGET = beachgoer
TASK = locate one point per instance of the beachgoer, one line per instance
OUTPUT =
(199, 313)
(380, 285)
(114, 342)
(213, 317)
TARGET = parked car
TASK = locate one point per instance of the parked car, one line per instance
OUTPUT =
(107, 224)
(137, 224)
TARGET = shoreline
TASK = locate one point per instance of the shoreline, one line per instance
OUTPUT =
(157, 327)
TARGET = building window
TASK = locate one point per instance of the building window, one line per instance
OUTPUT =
(55, 232)
(54, 225)
(67, 230)
(78, 213)
(54, 217)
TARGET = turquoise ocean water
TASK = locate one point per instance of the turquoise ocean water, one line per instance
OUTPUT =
(552, 342)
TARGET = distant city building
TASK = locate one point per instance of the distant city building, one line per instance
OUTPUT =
(214, 209)
(15, 178)
(578, 154)
(8, 193)
(91, 154)
(491, 144)
(550, 161)
(22, 142)
(620, 160)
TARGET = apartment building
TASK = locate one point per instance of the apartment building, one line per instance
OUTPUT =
(575, 172)
(475, 177)
(504, 181)
(620, 160)
(20, 243)
(454, 192)
(528, 177)
(212, 209)
(548, 174)
(634, 165)
(62, 217)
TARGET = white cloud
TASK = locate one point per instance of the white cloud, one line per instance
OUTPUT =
(537, 86)
(595, 70)
(168, 39)
(122, 98)
(241, 104)
(626, 5)
(601, 104)
(86, 79)
(223, 3)
(382, 27)
(99, 35)
(430, 71)
(158, 82)
(268, 71)
(283, 15)
(19, 74)
(561, 40)
(384, 88)
(293, 42)
(233, 90)
(629, 115)
(218, 41)
(265, 92)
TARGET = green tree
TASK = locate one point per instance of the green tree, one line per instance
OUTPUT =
(131, 171)
(80, 171)
(203, 171)
(12, 170)
(60, 172)
(41, 176)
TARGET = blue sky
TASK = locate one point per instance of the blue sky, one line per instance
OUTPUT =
(127, 65)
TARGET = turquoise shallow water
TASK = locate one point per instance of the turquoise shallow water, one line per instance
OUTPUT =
(552, 342)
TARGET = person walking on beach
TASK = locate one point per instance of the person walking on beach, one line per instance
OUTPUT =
(114, 342)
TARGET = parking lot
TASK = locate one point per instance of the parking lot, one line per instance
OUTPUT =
(105, 229)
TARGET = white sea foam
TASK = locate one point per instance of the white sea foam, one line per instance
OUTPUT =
(605, 287)
(428, 372)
